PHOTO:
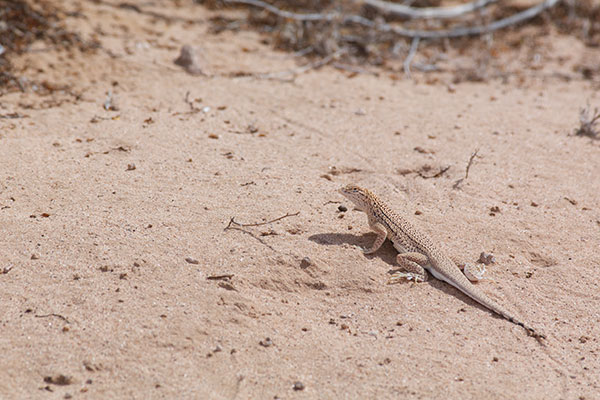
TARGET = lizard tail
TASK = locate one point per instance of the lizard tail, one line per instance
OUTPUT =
(480, 297)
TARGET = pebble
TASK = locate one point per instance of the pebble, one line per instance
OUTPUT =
(190, 60)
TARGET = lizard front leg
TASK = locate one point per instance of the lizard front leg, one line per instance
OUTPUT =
(381, 232)
(412, 265)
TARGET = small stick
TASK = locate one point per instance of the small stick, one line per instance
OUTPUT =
(428, 12)
(53, 315)
(458, 182)
(453, 33)
(284, 14)
(411, 33)
(353, 69)
(233, 222)
(5, 270)
(225, 277)
(411, 53)
(440, 173)
(187, 100)
(473, 155)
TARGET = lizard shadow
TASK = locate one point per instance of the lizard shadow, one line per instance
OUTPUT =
(387, 253)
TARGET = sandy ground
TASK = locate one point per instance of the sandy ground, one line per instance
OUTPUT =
(99, 211)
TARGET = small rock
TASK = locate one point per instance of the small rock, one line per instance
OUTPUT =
(35, 257)
(298, 385)
(305, 263)
(486, 258)
(130, 167)
(190, 60)
(421, 150)
(266, 343)
(191, 260)
(251, 128)
(342, 208)
(60, 380)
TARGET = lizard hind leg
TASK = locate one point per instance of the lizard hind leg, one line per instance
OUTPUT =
(412, 267)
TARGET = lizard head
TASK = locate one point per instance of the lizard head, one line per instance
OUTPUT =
(357, 195)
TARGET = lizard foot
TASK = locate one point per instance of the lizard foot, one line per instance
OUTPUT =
(398, 277)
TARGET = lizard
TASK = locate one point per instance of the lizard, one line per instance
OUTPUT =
(418, 253)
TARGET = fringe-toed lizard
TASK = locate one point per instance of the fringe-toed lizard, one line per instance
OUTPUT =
(418, 252)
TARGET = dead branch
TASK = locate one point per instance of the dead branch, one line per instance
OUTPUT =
(53, 315)
(285, 14)
(5, 270)
(353, 69)
(457, 32)
(248, 233)
(473, 155)
(401, 10)
(190, 103)
(458, 182)
(411, 33)
(411, 54)
(239, 227)
(437, 175)
(224, 277)
(233, 222)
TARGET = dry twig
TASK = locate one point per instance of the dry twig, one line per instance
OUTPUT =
(224, 277)
(239, 227)
(411, 54)
(402, 10)
(458, 182)
(436, 175)
(53, 315)
(411, 33)
(233, 222)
